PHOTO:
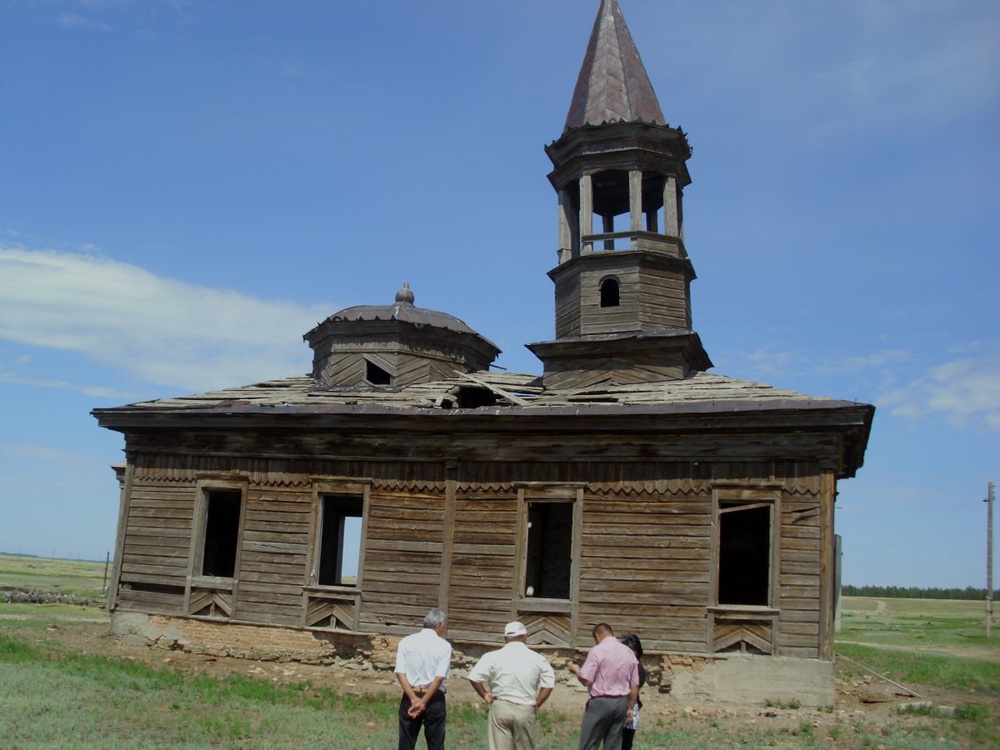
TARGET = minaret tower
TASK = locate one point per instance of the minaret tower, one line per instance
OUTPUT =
(623, 304)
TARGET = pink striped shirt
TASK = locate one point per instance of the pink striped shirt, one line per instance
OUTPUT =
(611, 669)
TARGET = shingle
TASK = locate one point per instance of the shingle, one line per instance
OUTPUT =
(613, 85)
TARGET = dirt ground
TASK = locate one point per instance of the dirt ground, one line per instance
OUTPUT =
(868, 701)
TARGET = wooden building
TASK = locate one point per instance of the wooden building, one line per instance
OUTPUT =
(625, 484)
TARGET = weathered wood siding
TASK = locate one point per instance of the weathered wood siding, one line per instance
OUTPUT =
(799, 571)
(665, 298)
(622, 317)
(274, 555)
(154, 564)
(646, 565)
(481, 588)
(403, 555)
(645, 547)
(568, 310)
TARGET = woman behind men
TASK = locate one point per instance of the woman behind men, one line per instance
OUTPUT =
(628, 730)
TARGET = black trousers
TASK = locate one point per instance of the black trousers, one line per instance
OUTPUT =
(432, 720)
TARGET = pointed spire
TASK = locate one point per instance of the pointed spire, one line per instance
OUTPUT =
(613, 84)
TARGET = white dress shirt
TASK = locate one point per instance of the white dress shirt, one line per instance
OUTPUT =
(422, 657)
(514, 673)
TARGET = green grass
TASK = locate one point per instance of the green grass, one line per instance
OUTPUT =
(931, 641)
(53, 698)
(50, 698)
(919, 668)
(917, 622)
(83, 579)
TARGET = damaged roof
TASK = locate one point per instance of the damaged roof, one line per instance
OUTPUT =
(700, 391)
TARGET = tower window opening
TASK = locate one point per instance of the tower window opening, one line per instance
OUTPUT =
(611, 206)
(610, 293)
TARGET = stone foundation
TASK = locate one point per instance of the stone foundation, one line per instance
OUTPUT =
(730, 678)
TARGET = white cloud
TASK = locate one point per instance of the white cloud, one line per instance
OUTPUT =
(76, 21)
(767, 362)
(87, 390)
(965, 391)
(160, 331)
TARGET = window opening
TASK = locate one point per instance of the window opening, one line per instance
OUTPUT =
(744, 553)
(340, 540)
(610, 293)
(222, 530)
(549, 554)
(376, 375)
(612, 206)
(472, 397)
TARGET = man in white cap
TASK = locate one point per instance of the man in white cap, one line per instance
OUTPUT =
(515, 681)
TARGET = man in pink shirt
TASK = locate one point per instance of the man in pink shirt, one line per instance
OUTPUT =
(611, 674)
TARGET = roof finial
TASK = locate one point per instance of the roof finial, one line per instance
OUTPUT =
(404, 296)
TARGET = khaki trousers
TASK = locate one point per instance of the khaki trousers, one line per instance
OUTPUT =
(512, 726)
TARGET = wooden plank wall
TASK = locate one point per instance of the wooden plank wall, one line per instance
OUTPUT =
(645, 562)
(568, 306)
(665, 299)
(274, 556)
(342, 369)
(157, 546)
(482, 566)
(403, 557)
(645, 568)
(624, 317)
(799, 577)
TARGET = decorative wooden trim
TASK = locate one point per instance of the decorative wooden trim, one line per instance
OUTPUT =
(827, 564)
(330, 607)
(412, 485)
(124, 505)
(448, 543)
(744, 626)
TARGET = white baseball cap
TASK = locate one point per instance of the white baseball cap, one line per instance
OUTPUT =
(514, 629)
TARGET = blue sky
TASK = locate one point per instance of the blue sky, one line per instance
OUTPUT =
(187, 187)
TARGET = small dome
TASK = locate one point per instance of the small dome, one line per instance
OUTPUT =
(395, 345)
(403, 310)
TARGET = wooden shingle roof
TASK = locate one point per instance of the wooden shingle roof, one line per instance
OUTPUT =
(613, 85)
(514, 393)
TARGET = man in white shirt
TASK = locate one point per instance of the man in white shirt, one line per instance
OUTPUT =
(422, 664)
(515, 681)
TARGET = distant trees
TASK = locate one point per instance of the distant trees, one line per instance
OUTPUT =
(913, 592)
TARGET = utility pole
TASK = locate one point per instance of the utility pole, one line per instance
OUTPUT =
(989, 559)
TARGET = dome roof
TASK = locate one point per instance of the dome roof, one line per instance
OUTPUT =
(403, 310)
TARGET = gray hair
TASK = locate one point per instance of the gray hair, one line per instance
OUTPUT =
(435, 618)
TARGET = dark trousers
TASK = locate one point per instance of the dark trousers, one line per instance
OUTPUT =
(628, 737)
(602, 723)
(432, 720)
